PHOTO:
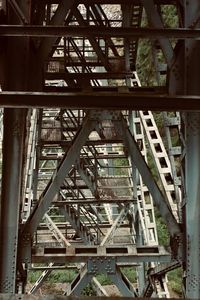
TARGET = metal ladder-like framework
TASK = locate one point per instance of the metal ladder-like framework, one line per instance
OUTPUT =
(144, 210)
(145, 126)
(161, 159)
(145, 203)
(58, 129)
(165, 168)
(30, 166)
(88, 178)
(172, 124)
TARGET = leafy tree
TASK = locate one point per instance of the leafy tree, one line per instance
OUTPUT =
(147, 49)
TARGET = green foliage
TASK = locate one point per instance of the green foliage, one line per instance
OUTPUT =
(104, 279)
(62, 276)
(130, 273)
(175, 280)
(145, 64)
(175, 276)
(88, 291)
(169, 16)
(147, 56)
(120, 162)
(152, 166)
(33, 276)
(158, 117)
(163, 234)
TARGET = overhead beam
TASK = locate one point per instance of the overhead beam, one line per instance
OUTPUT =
(135, 2)
(97, 31)
(92, 201)
(94, 100)
(88, 76)
(83, 253)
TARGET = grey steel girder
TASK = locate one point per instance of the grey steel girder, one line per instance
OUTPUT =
(186, 81)
(14, 153)
(102, 100)
(14, 121)
(99, 31)
(84, 254)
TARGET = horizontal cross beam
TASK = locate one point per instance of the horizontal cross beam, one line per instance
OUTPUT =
(94, 75)
(82, 254)
(97, 31)
(92, 201)
(111, 2)
(101, 100)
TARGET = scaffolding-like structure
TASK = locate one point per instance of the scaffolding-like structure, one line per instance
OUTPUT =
(87, 160)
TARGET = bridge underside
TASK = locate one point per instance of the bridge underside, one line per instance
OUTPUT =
(99, 145)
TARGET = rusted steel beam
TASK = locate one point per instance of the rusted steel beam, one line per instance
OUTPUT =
(82, 254)
(100, 31)
(102, 100)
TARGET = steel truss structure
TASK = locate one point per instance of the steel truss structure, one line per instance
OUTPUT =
(84, 162)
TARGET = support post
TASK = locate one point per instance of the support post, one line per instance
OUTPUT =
(15, 79)
(192, 180)
(14, 120)
(192, 158)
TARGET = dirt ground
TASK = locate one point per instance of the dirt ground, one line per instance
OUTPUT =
(49, 288)
(59, 288)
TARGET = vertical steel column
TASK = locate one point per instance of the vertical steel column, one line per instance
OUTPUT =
(184, 79)
(192, 181)
(16, 79)
(192, 162)
(127, 11)
(2, 39)
(10, 198)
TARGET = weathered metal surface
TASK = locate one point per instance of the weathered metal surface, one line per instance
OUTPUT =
(82, 254)
(58, 297)
(85, 56)
(71, 31)
(101, 100)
